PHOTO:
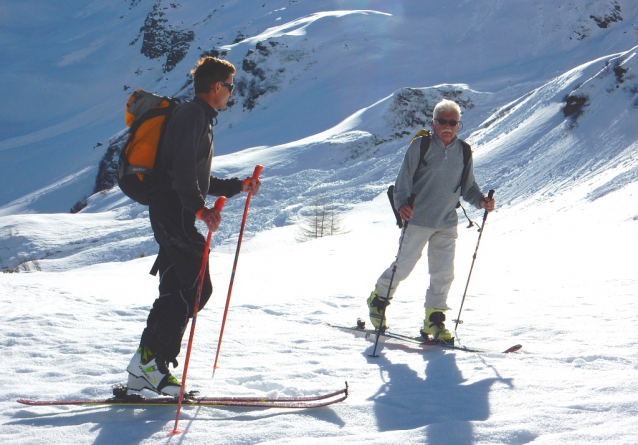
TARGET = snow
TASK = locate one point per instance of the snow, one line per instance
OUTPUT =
(555, 270)
(551, 276)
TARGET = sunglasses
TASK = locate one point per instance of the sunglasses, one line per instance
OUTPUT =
(451, 122)
(230, 86)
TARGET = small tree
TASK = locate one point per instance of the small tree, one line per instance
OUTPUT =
(323, 220)
(25, 264)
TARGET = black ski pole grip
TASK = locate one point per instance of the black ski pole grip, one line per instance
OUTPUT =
(411, 200)
(490, 195)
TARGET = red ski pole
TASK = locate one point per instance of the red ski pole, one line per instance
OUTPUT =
(218, 206)
(256, 174)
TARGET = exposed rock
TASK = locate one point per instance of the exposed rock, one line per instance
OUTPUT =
(214, 53)
(574, 104)
(107, 169)
(581, 33)
(160, 40)
(240, 37)
(412, 108)
(620, 72)
(258, 80)
(611, 17)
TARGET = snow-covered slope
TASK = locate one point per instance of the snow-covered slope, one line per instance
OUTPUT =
(579, 127)
(304, 66)
(558, 277)
(329, 94)
(533, 147)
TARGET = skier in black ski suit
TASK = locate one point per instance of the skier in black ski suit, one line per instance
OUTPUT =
(177, 198)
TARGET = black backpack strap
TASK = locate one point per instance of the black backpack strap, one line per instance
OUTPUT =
(425, 145)
(155, 267)
(394, 210)
(467, 155)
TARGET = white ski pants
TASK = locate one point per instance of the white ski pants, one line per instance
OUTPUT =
(441, 246)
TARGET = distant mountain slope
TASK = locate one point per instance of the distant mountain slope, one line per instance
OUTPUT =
(304, 66)
(579, 128)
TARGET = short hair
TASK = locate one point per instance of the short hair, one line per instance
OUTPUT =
(210, 70)
(446, 105)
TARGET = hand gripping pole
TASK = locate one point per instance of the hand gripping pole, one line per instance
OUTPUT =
(219, 204)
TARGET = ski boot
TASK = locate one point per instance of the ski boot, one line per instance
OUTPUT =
(433, 325)
(377, 306)
(149, 371)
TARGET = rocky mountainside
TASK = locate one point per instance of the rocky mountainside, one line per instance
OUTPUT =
(303, 67)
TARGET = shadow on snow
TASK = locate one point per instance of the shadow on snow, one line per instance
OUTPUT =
(440, 401)
(128, 425)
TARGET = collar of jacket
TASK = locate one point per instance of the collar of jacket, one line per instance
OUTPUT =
(439, 139)
(210, 112)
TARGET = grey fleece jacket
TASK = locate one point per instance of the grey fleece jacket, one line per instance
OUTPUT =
(437, 183)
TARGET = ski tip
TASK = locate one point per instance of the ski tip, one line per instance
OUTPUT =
(513, 349)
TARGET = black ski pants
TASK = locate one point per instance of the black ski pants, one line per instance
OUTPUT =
(179, 262)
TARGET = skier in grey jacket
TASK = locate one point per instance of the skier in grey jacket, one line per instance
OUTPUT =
(426, 194)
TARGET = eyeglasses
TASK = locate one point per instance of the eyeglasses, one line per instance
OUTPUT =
(451, 122)
(230, 86)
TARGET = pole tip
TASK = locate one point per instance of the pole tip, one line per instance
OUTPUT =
(174, 432)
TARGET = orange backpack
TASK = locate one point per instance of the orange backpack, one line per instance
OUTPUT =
(147, 115)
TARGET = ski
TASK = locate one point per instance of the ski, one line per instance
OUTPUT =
(121, 397)
(421, 341)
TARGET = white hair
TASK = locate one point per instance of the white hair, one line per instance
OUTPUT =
(446, 105)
